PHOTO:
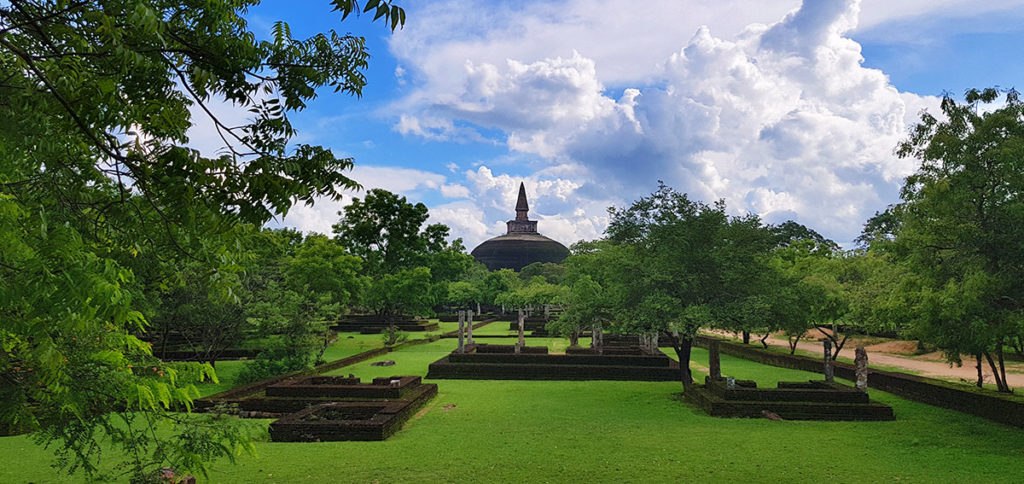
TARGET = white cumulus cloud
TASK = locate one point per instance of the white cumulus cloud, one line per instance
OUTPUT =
(781, 119)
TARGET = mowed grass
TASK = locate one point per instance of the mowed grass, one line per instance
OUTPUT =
(604, 431)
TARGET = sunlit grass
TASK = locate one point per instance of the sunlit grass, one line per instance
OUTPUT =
(607, 431)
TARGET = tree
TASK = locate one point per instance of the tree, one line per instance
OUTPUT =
(550, 271)
(586, 306)
(683, 265)
(388, 233)
(499, 282)
(462, 294)
(404, 292)
(961, 228)
(94, 178)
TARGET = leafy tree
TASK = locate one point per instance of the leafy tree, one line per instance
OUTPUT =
(192, 315)
(687, 266)
(961, 228)
(499, 282)
(550, 271)
(405, 292)
(95, 102)
(806, 293)
(462, 294)
(585, 306)
(291, 289)
(388, 233)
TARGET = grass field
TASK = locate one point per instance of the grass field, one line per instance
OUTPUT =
(503, 431)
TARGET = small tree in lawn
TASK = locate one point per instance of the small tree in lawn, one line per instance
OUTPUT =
(585, 306)
(407, 292)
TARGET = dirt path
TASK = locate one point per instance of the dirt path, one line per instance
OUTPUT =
(925, 365)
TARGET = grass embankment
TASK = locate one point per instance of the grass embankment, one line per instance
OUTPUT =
(606, 431)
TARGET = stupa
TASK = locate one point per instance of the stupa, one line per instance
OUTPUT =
(522, 245)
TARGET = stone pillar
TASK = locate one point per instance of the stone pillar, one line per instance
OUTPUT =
(469, 326)
(860, 363)
(462, 324)
(714, 361)
(828, 361)
(597, 339)
(522, 324)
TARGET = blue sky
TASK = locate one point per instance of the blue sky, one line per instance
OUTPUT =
(783, 108)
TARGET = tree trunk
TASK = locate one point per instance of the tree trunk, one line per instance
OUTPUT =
(764, 340)
(792, 343)
(839, 347)
(683, 347)
(574, 337)
(981, 378)
(1000, 383)
(746, 337)
(1002, 367)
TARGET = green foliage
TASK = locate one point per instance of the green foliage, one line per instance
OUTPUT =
(292, 288)
(405, 292)
(462, 294)
(961, 227)
(391, 336)
(535, 293)
(100, 203)
(550, 271)
(387, 232)
(585, 305)
(499, 282)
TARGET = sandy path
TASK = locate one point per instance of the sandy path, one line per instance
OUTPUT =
(924, 367)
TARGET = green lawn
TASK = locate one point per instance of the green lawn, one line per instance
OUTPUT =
(504, 431)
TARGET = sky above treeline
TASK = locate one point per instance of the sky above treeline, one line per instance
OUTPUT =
(786, 109)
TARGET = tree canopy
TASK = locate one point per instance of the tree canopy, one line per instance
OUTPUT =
(97, 184)
(960, 228)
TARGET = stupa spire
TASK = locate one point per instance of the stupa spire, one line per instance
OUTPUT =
(522, 208)
(522, 223)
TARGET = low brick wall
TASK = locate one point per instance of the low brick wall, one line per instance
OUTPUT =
(1005, 409)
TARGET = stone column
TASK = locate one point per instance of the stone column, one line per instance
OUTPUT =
(860, 363)
(828, 361)
(714, 361)
(522, 324)
(469, 326)
(547, 309)
(597, 339)
(462, 324)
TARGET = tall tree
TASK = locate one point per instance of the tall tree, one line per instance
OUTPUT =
(962, 226)
(388, 233)
(688, 266)
(95, 102)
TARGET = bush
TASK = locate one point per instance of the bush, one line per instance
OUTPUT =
(272, 363)
(391, 336)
